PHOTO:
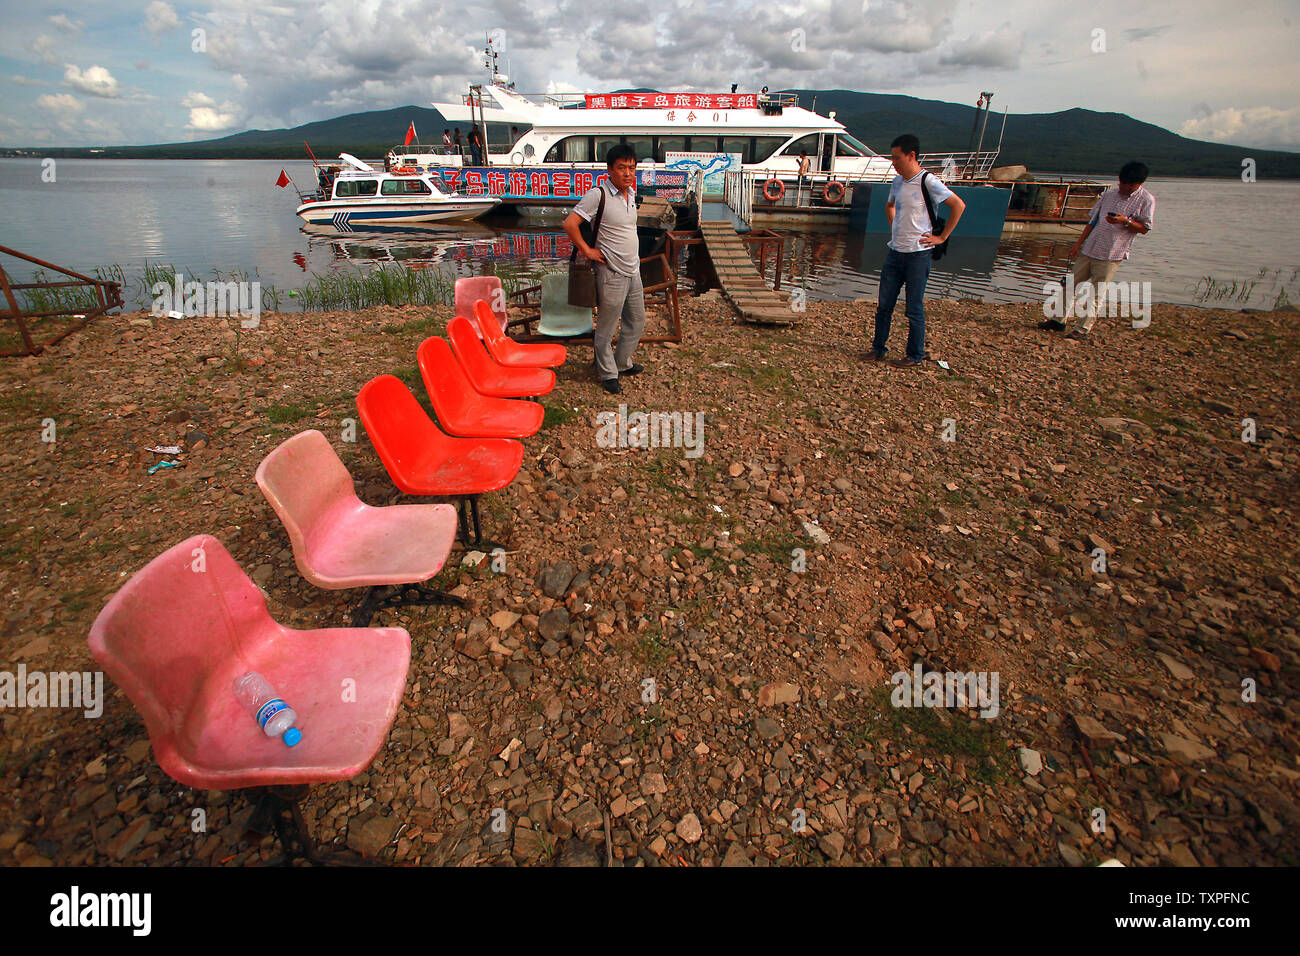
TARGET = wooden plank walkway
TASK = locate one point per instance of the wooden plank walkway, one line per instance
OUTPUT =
(740, 280)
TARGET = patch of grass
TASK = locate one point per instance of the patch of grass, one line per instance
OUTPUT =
(557, 413)
(644, 726)
(778, 546)
(653, 648)
(284, 414)
(428, 325)
(934, 732)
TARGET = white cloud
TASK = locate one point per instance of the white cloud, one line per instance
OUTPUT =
(18, 80)
(95, 81)
(160, 17)
(209, 120)
(198, 99)
(62, 22)
(62, 104)
(241, 84)
(43, 47)
(992, 48)
(1260, 126)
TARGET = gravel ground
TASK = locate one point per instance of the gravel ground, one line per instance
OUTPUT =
(687, 659)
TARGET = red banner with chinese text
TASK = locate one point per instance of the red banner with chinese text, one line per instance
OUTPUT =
(696, 101)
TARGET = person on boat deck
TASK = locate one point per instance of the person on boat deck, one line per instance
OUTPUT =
(620, 296)
(1122, 212)
(475, 146)
(446, 142)
(456, 143)
(907, 264)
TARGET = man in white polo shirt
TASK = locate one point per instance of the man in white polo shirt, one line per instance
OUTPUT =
(620, 296)
(911, 236)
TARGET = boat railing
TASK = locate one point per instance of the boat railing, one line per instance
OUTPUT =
(959, 165)
(738, 191)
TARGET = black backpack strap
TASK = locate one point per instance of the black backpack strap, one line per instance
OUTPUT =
(600, 212)
(929, 206)
(595, 225)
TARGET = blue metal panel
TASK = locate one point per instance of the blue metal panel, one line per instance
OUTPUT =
(986, 209)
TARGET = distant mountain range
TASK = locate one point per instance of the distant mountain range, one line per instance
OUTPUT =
(1069, 141)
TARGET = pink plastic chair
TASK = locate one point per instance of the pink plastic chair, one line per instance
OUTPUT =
(461, 409)
(341, 542)
(509, 352)
(179, 632)
(471, 289)
(489, 376)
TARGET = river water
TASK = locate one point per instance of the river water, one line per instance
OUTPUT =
(228, 216)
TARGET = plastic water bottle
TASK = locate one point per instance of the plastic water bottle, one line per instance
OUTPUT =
(273, 715)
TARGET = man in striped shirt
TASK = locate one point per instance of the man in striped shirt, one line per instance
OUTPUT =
(1122, 212)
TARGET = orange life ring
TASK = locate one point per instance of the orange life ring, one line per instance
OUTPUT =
(773, 190)
(403, 170)
(834, 191)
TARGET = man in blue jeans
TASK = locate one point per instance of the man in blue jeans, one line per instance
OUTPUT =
(910, 237)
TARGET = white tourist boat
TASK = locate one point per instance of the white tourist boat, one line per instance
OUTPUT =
(355, 194)
(548, 149)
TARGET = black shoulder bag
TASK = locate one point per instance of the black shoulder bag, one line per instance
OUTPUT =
(582, 271)
(936, 224)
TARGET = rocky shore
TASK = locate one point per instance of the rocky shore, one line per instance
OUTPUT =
(687, 660)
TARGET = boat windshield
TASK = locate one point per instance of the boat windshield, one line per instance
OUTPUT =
(850, 146)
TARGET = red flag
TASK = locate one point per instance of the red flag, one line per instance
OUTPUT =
(283, 180)
(410, 134)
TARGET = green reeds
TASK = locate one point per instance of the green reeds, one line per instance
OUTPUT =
(386, 285)
(68, 298)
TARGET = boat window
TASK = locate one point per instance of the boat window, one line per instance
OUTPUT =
(404, 187)
(355, 187)
(807, 144)
(571, 149)
(849, 146)
(604, 144)
(644, 146)
(668, 144)
(739, 144)
(765, 146)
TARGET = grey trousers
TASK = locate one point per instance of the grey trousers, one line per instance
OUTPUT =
(622, 307)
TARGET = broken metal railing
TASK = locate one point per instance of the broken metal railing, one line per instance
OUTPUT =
(102, 295)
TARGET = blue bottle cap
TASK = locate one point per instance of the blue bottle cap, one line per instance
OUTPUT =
(292, 736)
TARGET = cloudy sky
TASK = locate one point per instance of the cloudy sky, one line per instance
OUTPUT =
(118, 72)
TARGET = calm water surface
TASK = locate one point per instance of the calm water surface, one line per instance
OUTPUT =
(209, 216)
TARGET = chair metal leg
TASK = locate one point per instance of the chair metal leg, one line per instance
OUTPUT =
(276, 811)
(400, 595)
(467, 513)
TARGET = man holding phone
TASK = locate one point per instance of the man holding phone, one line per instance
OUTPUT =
(1122, 212)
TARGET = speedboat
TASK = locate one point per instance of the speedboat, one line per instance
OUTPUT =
(356, 194)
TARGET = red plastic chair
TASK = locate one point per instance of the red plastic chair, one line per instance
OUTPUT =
(509, 352)
(179, 632)
(461, 409)
(422, 460)
(341, 542)
(488, 375)
(488, 289)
